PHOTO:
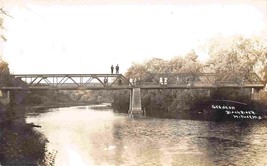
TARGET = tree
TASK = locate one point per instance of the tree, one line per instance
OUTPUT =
(175, 64)
(136, 71)
(187, 64)
(191, 63)
(156, 65)
(4, 73)
(142, 70)
(237, 54)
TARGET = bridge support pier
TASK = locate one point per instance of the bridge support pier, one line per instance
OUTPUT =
(135, 109)
(5, 97)
(255, 95)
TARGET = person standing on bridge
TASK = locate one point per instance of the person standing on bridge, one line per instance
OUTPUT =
(117, 69)
(112, 68)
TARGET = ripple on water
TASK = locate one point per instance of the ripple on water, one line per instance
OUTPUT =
(105, 138)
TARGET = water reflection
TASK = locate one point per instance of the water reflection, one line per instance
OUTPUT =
(84, 136)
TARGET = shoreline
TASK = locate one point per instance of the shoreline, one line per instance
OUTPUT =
(44, 107)
(30, 108)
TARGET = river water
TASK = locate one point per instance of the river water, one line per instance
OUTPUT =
(88, 136)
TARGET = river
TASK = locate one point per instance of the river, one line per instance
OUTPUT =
(87, 136)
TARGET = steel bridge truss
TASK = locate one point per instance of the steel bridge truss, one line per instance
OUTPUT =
(202, 80)
(152, 81)
(75, 81)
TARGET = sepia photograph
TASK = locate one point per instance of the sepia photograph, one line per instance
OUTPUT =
(133, 82)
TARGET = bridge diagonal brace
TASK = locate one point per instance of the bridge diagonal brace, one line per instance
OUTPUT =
(61, 80)
(117, 78)
(64, 81)
(235, 79)
(32, 81)
(207, 78)
(221, 80)
(200, 79)
(38, 82)
(48, 82)
(88, 81)
(100, 81)
(257, 79)
(73, 81)
(217, 80)
(126, 80)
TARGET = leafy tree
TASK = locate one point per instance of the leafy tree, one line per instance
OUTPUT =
(4, 73)
(175, 64)
(156, 65)
(237, 54)
(136, 71)
(191, 63)
(187, 64)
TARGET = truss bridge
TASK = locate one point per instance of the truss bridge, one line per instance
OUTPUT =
(29, 82)
(150, 81)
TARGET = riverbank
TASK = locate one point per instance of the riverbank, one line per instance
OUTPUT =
(43, 107)
(21, 144)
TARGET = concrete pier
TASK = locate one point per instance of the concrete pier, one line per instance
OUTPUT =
(5, 97)
(135, 103)
(255, 95)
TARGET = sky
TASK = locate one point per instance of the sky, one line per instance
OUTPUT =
(88, 36)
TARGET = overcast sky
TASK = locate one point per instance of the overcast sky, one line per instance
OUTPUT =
(87, 37)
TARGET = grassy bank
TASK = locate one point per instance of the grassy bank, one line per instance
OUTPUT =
(21, 144)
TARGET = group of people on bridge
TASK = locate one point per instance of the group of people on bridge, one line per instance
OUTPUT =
(117, 68)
